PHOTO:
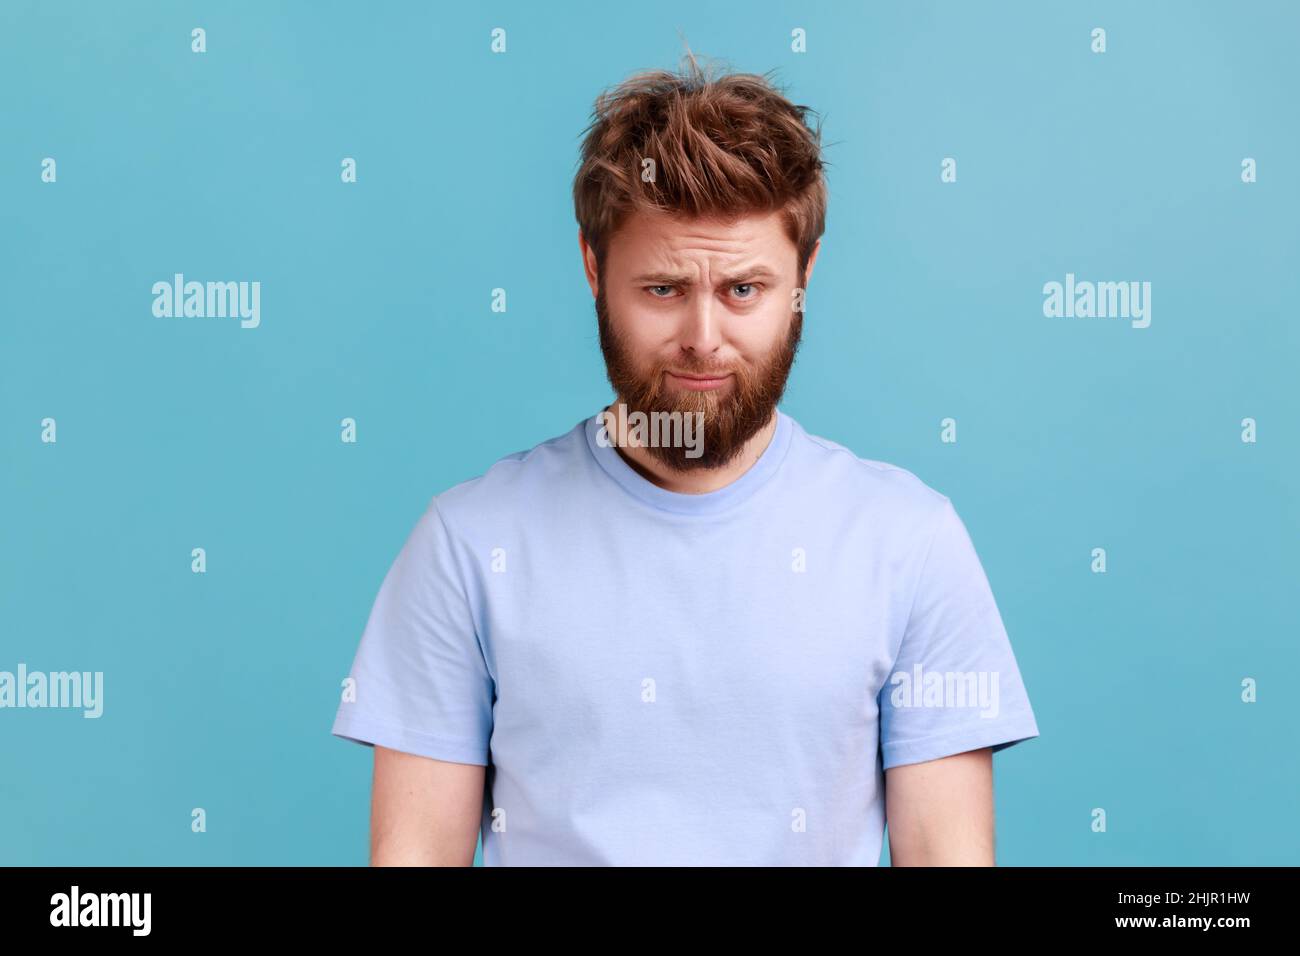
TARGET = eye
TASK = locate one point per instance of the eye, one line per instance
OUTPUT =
(651, 289)
(746, 285)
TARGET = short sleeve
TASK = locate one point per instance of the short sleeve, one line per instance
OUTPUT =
(421, 683)
(955, 685)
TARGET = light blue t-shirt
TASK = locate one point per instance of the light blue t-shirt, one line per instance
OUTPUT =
(656, 678)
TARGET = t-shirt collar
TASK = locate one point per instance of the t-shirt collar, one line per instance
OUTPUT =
(711, 502)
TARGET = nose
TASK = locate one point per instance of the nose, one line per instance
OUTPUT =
(700, 331)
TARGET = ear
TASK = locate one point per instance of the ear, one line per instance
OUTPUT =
(588, 262)
(812, 258)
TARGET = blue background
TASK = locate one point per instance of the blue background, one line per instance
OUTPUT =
(220, 688)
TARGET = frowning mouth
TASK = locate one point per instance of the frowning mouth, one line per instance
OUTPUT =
(698, 383)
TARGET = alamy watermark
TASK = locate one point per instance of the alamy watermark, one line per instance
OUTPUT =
(1100, 300)
(626, 429)
(102, 909)
(82, 689)
(181, 299)
(922, 688)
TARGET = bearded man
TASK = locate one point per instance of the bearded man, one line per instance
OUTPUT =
(606, 651)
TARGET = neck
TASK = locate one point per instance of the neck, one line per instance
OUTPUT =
(694, 481)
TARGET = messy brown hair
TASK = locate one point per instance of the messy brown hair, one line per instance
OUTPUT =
(723, 146)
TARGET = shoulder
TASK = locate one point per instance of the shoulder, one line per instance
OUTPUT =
(837, 470)
(515, 482)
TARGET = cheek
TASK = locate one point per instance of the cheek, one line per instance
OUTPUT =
(756, 333)
(644, 331)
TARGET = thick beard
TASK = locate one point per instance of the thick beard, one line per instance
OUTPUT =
(729, 421)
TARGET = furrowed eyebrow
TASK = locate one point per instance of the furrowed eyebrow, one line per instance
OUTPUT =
(664, 278)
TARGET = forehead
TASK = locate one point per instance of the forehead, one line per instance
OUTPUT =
(665, 239)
